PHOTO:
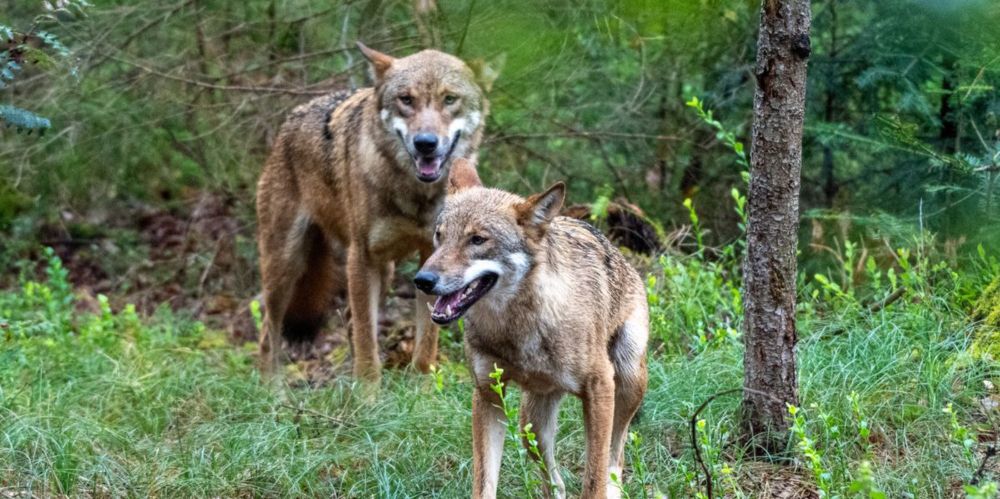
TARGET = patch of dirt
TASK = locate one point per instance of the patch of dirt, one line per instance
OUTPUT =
(760, 479)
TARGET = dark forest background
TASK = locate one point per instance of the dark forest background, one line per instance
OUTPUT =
(155, 100)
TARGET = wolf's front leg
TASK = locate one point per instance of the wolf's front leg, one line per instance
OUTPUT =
(598, 418)
(542, 412)
(364, 282)
(425, 350)
(488, 428)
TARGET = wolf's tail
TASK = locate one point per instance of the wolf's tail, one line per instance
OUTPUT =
(315, 290)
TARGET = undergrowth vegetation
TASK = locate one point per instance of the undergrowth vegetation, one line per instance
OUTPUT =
(894, 400)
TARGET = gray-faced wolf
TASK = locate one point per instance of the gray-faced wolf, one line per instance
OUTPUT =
(356, 177)
(550, 301)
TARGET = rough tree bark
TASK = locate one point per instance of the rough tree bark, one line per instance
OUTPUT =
(769, 273)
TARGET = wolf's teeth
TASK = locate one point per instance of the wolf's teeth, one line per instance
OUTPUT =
(474, 285)
(430, 308)
(448, 310)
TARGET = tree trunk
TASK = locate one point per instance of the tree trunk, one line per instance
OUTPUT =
(769, 272)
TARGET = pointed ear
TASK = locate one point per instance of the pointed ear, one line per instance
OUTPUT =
(540, 209)
(463, 175)
(380, 62)
(486, 72)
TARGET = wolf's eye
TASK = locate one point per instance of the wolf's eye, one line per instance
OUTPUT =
(450, 99)
(477, 240)
(406, 100)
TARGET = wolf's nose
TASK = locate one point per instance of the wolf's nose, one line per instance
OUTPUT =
(425, 281)
(425, 143)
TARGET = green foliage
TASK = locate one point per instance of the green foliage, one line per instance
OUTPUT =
(884, 357)
(733, 250)
(29, 46)
(599, 208)
(864, 485)
(988, 490)
(988, 304)
(722, 134)
(961, 435)
(694, 304)
(438, 375)
(258, 317)
(166, 409)
(863, 427)
(813, 457)
(695, 226)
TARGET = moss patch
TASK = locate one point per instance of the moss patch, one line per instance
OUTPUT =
(988, 310)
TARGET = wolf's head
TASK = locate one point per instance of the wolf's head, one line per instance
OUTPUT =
(484, 246)
(433, 104)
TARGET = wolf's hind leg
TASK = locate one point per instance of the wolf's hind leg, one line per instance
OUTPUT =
(364, 283)
(598, 419)
(629, 358)
(426, 348)
(283, 260)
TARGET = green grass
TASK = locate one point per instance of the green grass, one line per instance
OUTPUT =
(111, 404)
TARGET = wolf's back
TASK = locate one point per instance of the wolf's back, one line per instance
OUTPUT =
(310, 121)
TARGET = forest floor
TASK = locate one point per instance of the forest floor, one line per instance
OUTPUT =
(162, 398)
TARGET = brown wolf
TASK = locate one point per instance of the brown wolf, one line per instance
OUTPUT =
(353, 184)
(553, 303)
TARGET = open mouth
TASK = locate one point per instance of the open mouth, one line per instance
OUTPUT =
(448, 308)
(429, 167)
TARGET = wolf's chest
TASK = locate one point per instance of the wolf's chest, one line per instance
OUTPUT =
(397, 237)
(531, 360)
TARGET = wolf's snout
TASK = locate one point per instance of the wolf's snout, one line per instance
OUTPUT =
(425, 143)
(425, 281)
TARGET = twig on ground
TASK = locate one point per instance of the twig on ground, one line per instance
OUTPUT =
(694, 432)
(889, 300)
(991, 450)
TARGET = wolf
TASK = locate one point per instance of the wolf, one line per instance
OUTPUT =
(353, 184)
(550, 301)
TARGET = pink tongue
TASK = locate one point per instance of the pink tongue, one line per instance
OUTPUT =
(442, 303)
(428, 166)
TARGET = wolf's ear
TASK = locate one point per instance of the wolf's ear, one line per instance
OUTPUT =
(540, 209)
(380, 62)
(486, 72)
(463, 175)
